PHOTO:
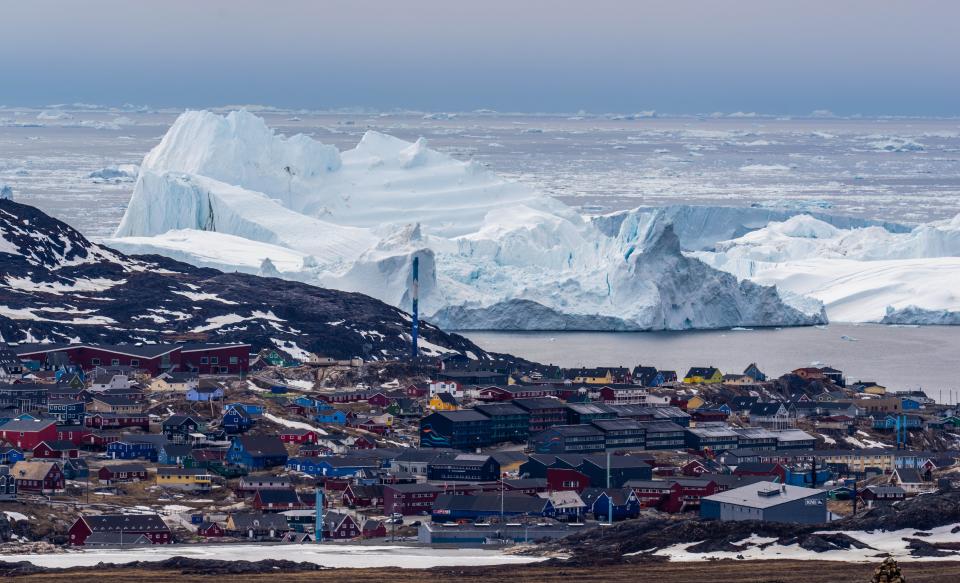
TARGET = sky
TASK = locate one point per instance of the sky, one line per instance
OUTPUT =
(871, 57)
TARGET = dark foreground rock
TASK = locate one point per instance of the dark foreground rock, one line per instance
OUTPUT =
(57, 286)
(184, 565)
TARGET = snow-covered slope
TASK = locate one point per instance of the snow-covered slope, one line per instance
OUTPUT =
(861, 275)
(226, 191)
(57, 286)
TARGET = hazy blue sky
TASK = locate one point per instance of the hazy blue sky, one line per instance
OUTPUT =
(871, 57)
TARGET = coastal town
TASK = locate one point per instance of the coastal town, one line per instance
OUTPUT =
(123, 446)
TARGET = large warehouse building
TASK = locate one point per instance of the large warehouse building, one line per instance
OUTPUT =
(767, 502)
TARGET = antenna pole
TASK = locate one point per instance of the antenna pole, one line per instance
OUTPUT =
(415, 294)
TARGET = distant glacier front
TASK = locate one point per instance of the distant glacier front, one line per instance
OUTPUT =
(226, 191)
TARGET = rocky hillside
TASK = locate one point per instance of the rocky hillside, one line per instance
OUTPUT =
(57, 286)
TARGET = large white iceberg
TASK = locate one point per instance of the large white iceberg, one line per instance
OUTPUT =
(866, 274)
(227, 192)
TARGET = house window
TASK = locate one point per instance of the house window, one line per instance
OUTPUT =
(224, 370)
(115, 362)
(214, 360)
(95, 361)
(204, 360)
(134, 362)
(234, 360)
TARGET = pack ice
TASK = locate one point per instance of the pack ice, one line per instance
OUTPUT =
(228, 192)
(861, 274)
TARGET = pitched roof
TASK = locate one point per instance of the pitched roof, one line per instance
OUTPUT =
(27, 425)
(258, 521)
(31, 470)
(262, 445)
(278, 496)
(129, 468)
(125, 522)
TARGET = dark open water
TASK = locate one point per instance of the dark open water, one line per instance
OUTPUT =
(896, 357)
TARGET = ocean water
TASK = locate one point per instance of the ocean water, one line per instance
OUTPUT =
(905, 170)
(896, 357)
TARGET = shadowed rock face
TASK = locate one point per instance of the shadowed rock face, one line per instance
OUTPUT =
(55, 285)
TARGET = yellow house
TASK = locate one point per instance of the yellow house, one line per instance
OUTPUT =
(875, 390)
(703, 376)
(858, 461)
(695, 402)
(184, 478)
(593, 376)
(443, 402)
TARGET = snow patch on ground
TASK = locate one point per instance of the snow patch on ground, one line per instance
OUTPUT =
(328, 555)
(293, 424)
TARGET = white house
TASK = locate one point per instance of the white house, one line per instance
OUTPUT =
(106, 382)
(451, 387)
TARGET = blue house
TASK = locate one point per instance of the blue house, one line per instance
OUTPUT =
(802, 477)
(307, 465)
(176, 454)
(625, 503)
(909, 404)
(890, 422)
(332, 466)
(236, 420)
(136, 447)
(331, 416)
(204, 394)
(306, 402)
(10, 455)
(257, 452)
(252, 410)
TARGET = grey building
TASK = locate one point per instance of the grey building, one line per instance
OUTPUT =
(767, 502)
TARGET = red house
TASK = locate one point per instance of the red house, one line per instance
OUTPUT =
(409, 499)
(149, 525)
(674, 495)
(339, 526)
(122, 473)
(291, 435)
(653, 493)
(373, 529)
(98, 441)
(379, 399)
(56, 449)
(39, 477)
(357, 496)
(372, 427)
(364, 442)
(565, 479)
(210, 529)
(154, 358)
(687, 492)
(27, 434)
(761, 469)
(277, 500)
(117, 420)
(416, 392)
(71, 433)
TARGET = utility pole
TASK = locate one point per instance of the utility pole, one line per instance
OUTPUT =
(501, 497)
(854, 497)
